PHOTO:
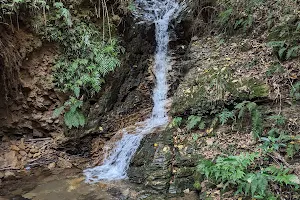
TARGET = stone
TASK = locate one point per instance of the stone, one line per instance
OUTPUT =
(51, 165)
(36, 155)
(63, 163)
(36, 133)
(5, 138)
(1, 175)
(186, 191)
(14, 148)
(34, 150)
(210, 141)
(23, 153)
(2, 162)
(9, 174)
(11, 159)
(22, 146)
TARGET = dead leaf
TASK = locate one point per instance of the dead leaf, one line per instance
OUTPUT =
(209, 141)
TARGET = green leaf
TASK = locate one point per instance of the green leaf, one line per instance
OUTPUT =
(294, 179)
(58, 111)
(77, 92)
(201, 125)
(176, 122)
(281, 52)
(193, 121)
(58, 4)
(226, 115)
(292, 52)
(276, 44)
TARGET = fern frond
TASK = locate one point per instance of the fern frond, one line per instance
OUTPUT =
(226, 115)
(257, 123)
(193, 121)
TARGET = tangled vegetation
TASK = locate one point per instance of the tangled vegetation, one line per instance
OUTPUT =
(87, 58)
(89, 52)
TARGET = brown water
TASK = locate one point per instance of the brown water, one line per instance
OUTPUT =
(68, 184)
(60, 185)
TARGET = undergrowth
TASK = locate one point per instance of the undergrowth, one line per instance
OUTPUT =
(242, 173)
(278, 18)
(248, 174)
(87, 57)
(88, 52)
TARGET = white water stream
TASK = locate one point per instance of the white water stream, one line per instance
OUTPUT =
(160, 12)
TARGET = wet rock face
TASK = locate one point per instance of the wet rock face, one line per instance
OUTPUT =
(30, 112)
(162, 166)
(152, 163)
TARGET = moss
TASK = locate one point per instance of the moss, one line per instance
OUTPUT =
(185, 172)
(209, 91)
(258, 89)
(249, 89)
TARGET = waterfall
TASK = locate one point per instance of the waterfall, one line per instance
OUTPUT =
(159, 12)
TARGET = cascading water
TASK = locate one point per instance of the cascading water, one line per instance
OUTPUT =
(115, 166)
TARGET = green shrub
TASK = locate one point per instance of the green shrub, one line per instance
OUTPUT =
(73, 116)
(85, 61)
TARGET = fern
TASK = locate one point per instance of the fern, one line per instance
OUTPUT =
(292, 52)
(279, 119)
(255, 184)
(292, 149)
(256, 116)
(225, 16)
(176, 122)
(295, 91)
(235, 172)
(226, 115)
(281, 175)
(257, 124)
(241, 107)
(193, 121)
(228, 170)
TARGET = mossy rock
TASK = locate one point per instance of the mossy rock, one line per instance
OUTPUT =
(208, 91)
